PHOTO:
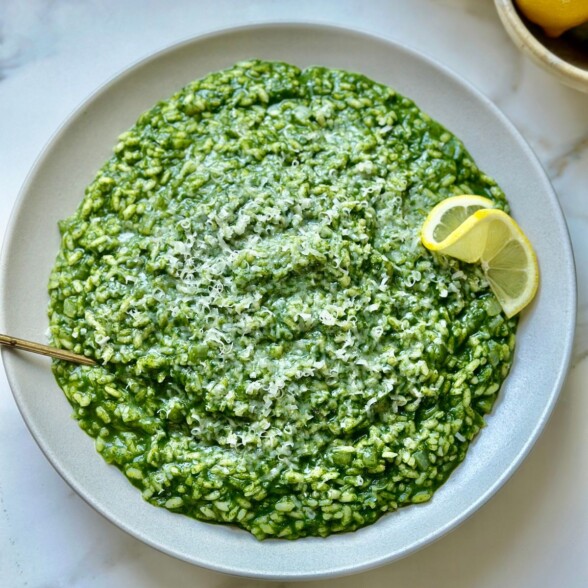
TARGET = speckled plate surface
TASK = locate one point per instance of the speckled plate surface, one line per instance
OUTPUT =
(55, 187)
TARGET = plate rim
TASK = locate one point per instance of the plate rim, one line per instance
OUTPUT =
(397, 45)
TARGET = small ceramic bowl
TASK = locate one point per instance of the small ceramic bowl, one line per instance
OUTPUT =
(566, 57)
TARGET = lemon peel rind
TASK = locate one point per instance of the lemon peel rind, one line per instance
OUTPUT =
(436, 212)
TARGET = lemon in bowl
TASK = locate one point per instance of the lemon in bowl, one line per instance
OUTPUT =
(553, 33)
(555, 17)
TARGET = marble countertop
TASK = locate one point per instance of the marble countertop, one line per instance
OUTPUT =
(53, 54)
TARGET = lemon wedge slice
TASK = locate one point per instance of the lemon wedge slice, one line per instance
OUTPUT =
(490, 237)
(447, 216)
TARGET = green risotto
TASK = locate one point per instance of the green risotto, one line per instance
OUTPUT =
(276, 349)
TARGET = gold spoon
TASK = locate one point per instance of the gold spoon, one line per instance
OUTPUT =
(25, 345)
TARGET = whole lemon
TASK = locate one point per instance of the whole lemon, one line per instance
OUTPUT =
(555, 16)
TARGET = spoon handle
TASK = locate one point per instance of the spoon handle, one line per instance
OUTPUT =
(25, 345)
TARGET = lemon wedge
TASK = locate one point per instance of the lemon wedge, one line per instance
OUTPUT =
(448, 215)
(490, 237)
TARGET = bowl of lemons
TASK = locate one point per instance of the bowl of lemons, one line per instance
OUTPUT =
(554, 33)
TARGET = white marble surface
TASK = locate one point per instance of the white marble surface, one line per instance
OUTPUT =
(53, 53)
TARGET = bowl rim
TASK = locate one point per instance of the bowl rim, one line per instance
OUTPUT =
(568, 73)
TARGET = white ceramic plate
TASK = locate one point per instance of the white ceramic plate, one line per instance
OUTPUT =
(55, 187)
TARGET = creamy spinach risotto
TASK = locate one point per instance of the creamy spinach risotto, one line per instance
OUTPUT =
(276, 349)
